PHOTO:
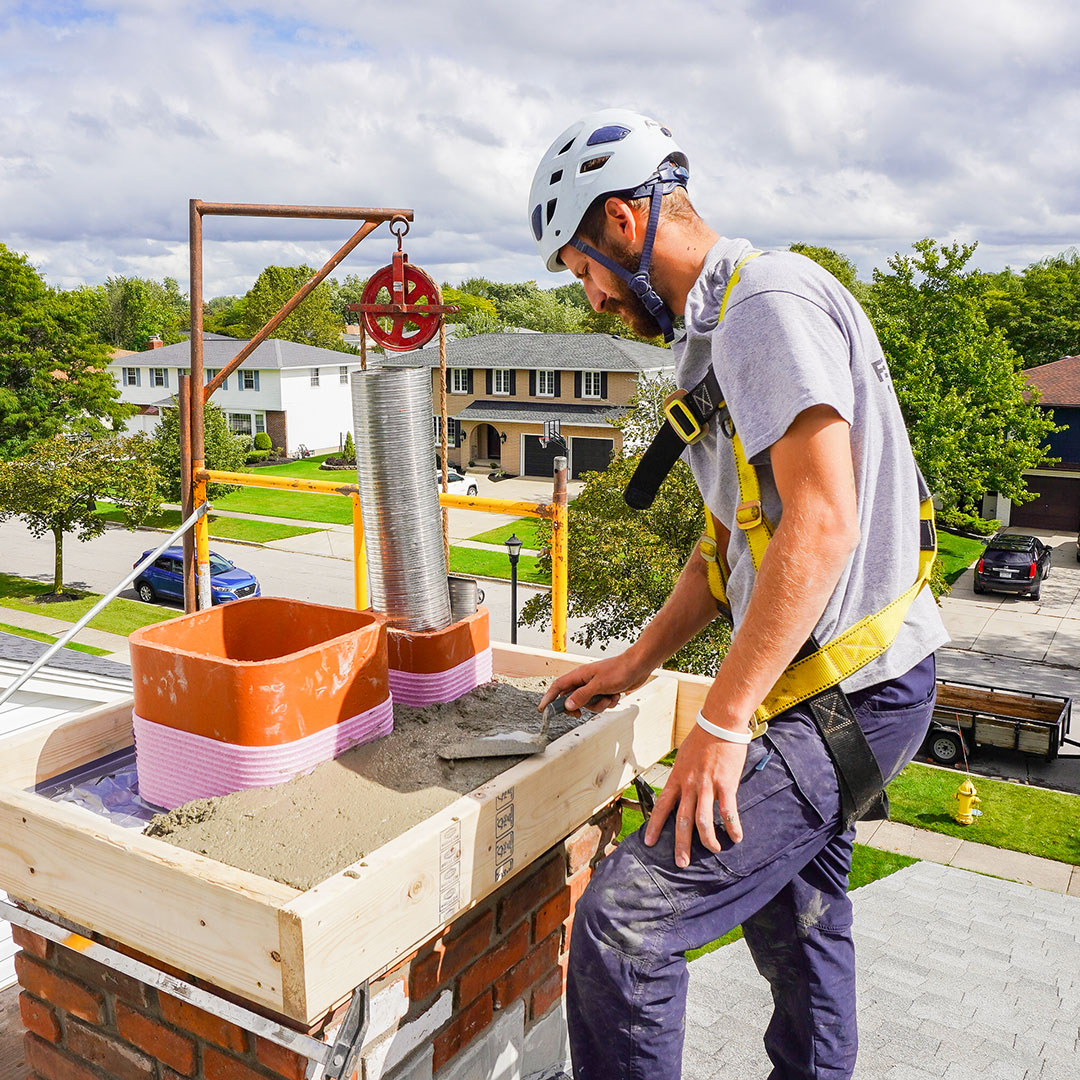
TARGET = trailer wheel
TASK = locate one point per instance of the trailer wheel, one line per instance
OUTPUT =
(945, 747)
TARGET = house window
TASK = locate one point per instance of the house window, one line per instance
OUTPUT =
(240, 423)
(249, 380)
(500, 380)
(131, 376)
(343, 375)
(591, 383)
(545, 384)
(314, 376)
(212, 373)
(453, 432)
(260, 422)
(159, 376)
(459, 380)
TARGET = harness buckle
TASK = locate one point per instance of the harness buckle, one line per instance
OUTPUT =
(683, 421)
(707, 547)
(748, 514)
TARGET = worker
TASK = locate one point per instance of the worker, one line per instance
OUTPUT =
(819, 541)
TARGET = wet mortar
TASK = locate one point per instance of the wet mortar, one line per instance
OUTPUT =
(306, 830)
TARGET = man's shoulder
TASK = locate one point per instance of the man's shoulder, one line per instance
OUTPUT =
(787, 272)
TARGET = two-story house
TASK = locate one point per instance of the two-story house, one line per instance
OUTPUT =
(1057, 487)
(297, 394)
(503, 388)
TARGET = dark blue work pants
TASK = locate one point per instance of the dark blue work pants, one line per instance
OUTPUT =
(786, 883)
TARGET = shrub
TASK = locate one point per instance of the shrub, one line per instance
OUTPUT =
(255, 456)
(262, 441)
(348, 453)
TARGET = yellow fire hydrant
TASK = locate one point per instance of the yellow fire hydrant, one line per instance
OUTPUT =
(968, 799)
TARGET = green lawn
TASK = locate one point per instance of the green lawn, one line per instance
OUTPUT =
(867, 864)
(48, 639)
(524, 527)
(221, 528)
(306, 469)
(295, 505)
(1014, 816)
(956, 554)
(494, 564)
(120, 617)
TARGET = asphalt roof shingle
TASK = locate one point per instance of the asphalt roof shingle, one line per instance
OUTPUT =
(1058, 382)
(536, 412)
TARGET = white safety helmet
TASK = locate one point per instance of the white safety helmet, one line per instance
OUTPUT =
(612, 151)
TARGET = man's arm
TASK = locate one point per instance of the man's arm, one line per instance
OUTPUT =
(818, 531)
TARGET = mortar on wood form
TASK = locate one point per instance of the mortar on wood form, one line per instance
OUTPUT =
(252, 693)
(436, 666)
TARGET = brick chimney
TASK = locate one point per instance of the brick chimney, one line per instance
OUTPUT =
(156, 342)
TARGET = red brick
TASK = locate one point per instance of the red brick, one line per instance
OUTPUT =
(521, 976)
(34, 945)
(280, 1061)
(548, 991)
(160, 1042)
(39, 1018)
(108, 1053)
(52, 1064)
(220, 1032)
(582, 846)
(495, 963)
(103, 979)
(536, 888)
(219, 1066)
(552, 915)
(461, 1030)
(59, 990)
(451, 957)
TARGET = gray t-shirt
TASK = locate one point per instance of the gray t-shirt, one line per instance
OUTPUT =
(794, 337)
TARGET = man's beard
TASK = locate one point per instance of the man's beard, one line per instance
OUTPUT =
(626, 305)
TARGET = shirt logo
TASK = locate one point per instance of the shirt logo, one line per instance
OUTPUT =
(881, 369)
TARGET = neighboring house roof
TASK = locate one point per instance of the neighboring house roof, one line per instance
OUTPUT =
(1058, 382)
(566, 352)
(13, 647)
(536, 412)
(218, 350)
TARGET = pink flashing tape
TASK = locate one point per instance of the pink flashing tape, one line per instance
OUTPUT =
(432, 688)
(175, 767)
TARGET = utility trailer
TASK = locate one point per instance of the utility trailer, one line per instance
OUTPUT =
(968, 715)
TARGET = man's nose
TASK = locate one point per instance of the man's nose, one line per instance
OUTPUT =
(596, 297)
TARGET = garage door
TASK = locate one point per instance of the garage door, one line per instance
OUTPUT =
(590, 455)
(540, 461)
(1057, 505)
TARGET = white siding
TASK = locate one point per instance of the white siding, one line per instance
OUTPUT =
(316, 415)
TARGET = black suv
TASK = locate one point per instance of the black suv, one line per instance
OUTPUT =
(1013, 563)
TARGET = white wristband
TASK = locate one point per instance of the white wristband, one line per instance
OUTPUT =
(742, 737)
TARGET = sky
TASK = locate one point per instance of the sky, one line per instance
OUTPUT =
(862, 125)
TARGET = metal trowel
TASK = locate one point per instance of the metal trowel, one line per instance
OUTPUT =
(509, 743)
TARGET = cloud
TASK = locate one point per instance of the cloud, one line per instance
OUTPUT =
(863, 126)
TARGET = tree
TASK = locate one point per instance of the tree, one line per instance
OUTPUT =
(624, 563)
(129, 311)
(314, 322)
(54, 487)
(974, 421)
(53, 372)
(224, 315)
(224, 450)
(349, 290)
(1038, 311)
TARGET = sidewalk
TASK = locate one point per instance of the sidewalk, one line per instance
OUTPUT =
(1047, 874)
(115, 644)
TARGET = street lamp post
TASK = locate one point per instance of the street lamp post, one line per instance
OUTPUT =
(513, 547)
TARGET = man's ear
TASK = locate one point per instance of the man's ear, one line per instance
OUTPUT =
(622, 222)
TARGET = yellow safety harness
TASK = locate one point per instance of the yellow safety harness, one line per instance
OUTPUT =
(815, 674)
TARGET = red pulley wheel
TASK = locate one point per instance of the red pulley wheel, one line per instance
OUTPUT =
(406, 330)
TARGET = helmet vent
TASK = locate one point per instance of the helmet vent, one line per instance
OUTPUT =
(551, 209)
(556, 176)
(594, 163)
(565, 148)
(610, 133)
(537, 223)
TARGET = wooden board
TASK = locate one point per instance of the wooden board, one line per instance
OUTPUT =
(299, 953)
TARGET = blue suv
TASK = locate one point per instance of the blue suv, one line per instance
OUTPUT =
(164, 579)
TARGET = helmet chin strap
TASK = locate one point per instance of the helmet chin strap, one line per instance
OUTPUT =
(640, 284)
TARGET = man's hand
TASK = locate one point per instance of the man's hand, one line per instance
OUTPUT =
(606, 679)
(704, 778)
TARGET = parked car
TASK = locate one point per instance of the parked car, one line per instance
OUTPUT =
(1013, 563)
(163, 579)
(456, 484)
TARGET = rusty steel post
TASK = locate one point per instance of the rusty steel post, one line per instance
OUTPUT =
(559, 558)
(187, 493)
(290, 305)
(377, 214)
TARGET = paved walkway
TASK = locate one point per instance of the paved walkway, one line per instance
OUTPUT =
(959, 976)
